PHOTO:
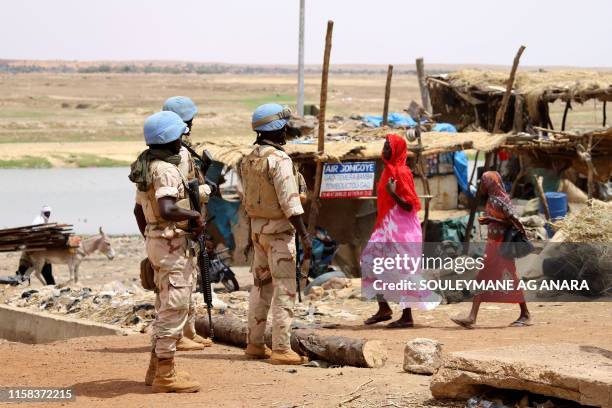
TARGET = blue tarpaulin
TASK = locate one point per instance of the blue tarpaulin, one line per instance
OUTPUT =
(395, 119)
(225, 215)
(460, 159)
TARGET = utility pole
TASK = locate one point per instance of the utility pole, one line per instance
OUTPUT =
(300, 94)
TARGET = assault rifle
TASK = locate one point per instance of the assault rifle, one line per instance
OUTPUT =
(204, 162)
(203, 261)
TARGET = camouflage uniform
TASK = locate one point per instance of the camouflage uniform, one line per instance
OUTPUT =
(168, 251)
(187, 167)
(274, 258)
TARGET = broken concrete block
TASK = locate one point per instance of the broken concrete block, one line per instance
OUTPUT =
(422, 356)
(569, 371)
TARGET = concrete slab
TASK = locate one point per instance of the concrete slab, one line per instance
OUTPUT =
(574, 372)
(26, 326)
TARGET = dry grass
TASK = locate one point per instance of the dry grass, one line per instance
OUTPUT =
(591, 224)
(43, 114)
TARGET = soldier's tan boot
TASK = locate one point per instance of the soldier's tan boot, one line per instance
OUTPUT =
(152, 370)
(167, 380)
(186, 344)
(257, 351)
(202, 340)
(287, 357)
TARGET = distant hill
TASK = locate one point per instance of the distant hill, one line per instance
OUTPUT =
(182, 67)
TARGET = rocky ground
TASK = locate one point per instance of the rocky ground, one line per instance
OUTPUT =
(109, 370)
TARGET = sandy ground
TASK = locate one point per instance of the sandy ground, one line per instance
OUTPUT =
(109, 371)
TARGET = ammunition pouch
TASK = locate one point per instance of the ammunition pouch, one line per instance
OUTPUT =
(147, 275)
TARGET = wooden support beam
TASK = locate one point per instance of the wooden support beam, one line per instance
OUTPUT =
(540, 190)
(559, 132)
(501, 112)
(420, 67)
(568, 106)
(385, 121)
(591, 171)
(522, 172)
(585, 155)
(474, 205)
(518, 124)
(604, 114)
(315, 203)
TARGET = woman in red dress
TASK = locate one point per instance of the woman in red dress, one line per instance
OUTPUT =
(499, 215)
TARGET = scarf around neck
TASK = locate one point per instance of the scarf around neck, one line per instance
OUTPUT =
(140, 173)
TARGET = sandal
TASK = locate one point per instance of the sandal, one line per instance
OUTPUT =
(520, 323)
(466, 324)
(400, 324)
(377, 319)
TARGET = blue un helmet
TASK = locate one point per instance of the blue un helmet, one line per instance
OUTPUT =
(163, 127)
(182, 106)
(270, 117)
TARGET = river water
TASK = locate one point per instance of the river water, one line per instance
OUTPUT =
(87, 198)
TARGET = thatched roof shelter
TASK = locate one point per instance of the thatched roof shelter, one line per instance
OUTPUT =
(472, 97)
(230, 153)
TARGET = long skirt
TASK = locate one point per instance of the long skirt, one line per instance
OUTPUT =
(497, 268)
(399, 234)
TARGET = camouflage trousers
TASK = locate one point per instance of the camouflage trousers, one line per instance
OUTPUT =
(189, 330)
(174, 280)
(273, 271)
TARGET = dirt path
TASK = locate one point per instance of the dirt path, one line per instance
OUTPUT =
(108, 371)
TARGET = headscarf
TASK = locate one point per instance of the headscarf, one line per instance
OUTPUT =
(498, 202)
(396, 167)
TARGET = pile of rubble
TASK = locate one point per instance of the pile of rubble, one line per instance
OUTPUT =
(130, 306)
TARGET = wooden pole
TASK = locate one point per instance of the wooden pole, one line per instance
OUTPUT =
(300, 95)
(568, 106)
(474, 206)
(604, 114)
(420, 67)
(542, 196)
(315, 203)
(499, 118)
(387, 96)
(522, 172)
(339, 350)
(590, 184)
(518, 113)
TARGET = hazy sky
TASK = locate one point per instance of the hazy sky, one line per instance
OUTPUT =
(556, 32)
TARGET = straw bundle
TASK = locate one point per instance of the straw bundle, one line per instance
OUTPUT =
(591, 224)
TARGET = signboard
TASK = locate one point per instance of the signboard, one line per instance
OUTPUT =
(350, 179)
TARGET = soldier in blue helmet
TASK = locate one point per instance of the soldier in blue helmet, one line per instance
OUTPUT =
(187, 109)
(272, 202)
(163, 223)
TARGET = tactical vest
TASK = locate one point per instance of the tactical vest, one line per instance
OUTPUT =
(260, 199)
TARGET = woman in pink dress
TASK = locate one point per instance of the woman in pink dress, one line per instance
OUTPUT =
(397, 231)
(499, 216)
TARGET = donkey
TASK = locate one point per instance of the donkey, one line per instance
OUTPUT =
(69, 256)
